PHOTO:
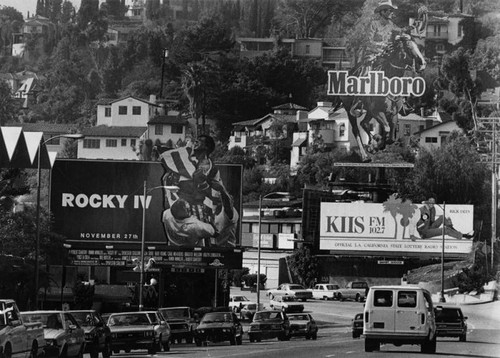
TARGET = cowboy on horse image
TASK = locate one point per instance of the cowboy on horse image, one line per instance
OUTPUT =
(392, 50)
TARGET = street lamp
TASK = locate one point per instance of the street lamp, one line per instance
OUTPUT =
(442, 299)
(63, 273)
(37, 238)
(143, 235)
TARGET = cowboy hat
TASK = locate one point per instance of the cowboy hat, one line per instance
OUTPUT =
(384, 5)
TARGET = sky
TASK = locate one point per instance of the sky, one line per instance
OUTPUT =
(23, 6)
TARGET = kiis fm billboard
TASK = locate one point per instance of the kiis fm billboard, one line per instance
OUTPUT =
(396, 226)
(103, 202)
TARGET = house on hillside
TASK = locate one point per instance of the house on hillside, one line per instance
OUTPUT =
(125, 124)
(413, 123)
(24, 86)
(263, 132)
(436, 136)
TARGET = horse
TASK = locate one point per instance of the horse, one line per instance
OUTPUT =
(400, 56)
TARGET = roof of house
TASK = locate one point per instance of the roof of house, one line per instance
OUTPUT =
(290, 106)
(436, 126)
(108, 101)
(45, 127)
(106, 131)
(254, 122)
(166, 119)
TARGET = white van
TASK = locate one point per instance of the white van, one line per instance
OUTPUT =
(399, 315)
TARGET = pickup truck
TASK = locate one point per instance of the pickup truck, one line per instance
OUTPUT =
(355, 290)
(18, 338)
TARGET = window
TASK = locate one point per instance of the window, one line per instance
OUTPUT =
(122, 110)
(421, 128)
(124, 142)
(136, 110)
(308, 49)
(132, 142)
(159, 129)
(382, 298)
(431, 140)
(246, 227)
(176, 129)
(407, 299)
(107, 112)
(439, 48)
(111, 142)
(92, 143)
(407, 130)
(342, 130)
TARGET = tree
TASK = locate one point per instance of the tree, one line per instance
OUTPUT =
(304, 265)
(456, 77)
(486, 56)
(8, 108)
(310, 18)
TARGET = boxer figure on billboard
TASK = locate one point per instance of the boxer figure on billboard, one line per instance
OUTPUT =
(201, 211)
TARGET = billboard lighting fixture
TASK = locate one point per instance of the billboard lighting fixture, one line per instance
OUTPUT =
(151, 247)
(109, 247)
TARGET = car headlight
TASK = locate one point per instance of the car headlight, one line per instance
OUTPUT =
(50, 342)
(201, 331)
(114, 335)
(276, 326)
(226, 330)
(149, 334)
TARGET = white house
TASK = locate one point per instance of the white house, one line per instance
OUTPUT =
(437, 136)
(123, 124)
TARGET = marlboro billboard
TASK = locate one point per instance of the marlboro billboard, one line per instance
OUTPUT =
(396, 227)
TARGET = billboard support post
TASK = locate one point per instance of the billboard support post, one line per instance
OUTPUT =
(258, 251)
(442, 299)
(143, 240)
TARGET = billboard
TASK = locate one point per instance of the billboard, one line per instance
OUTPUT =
(396, 226)
(103, 202)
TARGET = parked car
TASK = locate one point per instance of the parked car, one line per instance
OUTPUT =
(357, 325)
(399, 315)
(286, 304)
(63, 335)
(302, 324)
(139, 330)
(248, 310)
(18, 336)
(236, 302)
(291, 289)
(450, 322)
(356, 290)
(269, 324)
(219, 327)
(325, 291)
(97, 332)
(182, 323)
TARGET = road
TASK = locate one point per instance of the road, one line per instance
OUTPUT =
(334, 337)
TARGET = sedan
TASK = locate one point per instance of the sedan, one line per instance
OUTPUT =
(219, 327)
(357, 325)
(63, 335)
(286, 304)
(302, 324)
(269, 324)
(450, 322)
(97, 332)
(139, 330)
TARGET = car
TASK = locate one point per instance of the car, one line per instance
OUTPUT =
(291, 289)
(450, 322)
(248, 310)
(182, 323)
(237, 301)
(325, 291)
(302, 324)
(286, 304)
(269, 324)
(139, 330)
(357, 325)
(219, 327)
(63, 335)
(97, 332)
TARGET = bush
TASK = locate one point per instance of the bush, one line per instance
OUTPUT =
(251, 280)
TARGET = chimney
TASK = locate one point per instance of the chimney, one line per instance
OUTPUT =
(422, 113)
(301, 115)
(152, 98)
